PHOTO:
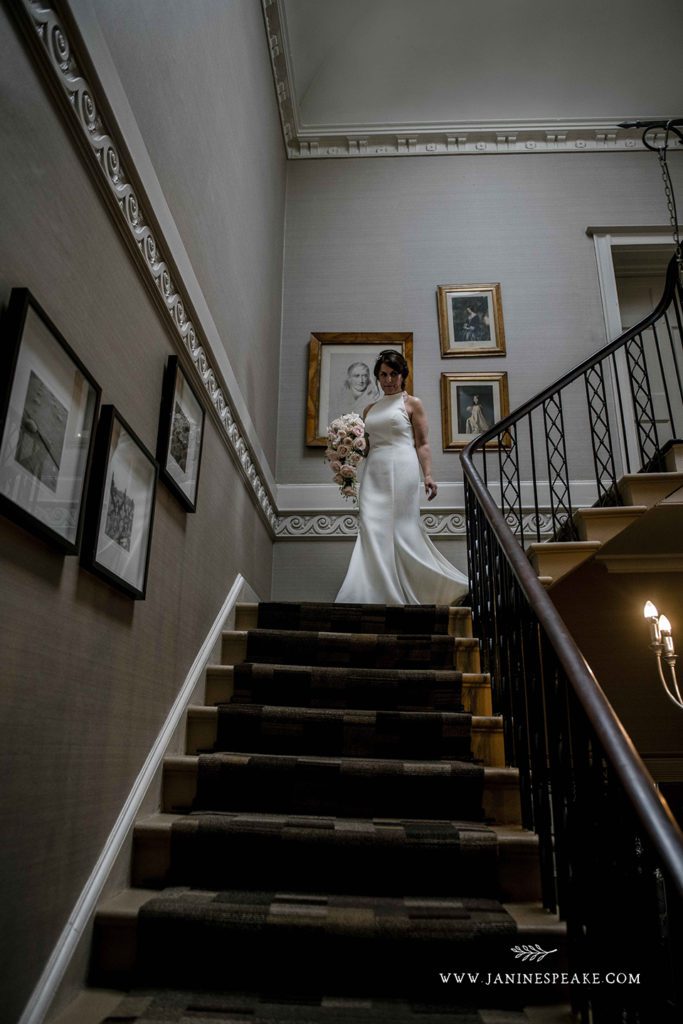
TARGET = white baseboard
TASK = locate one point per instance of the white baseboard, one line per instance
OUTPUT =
(43, 994)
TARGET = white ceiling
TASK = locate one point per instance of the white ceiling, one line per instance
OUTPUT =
(471, 70)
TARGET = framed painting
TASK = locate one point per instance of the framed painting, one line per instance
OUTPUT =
(470, 320)
(181, 436)
(470, 404)
(341, 378)
(120, 513)
(48, 410)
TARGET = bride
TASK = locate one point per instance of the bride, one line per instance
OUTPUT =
(394, 561)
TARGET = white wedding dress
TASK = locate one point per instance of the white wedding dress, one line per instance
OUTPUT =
(393, 560)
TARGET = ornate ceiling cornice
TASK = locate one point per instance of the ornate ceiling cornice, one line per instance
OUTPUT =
(88, 113)
(306, 142)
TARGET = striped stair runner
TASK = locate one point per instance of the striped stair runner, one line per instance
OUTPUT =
(332, 842)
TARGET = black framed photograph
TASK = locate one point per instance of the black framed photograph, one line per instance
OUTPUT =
(181, 435)
(48, 410)
(120, 512)
(470, 320)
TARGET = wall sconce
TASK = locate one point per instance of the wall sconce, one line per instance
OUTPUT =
(661, 642)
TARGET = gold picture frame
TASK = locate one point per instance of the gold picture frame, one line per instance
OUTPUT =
(340, 377)
(470, 401)
(470, 320)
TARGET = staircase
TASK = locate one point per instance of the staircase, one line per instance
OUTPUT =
(341, 834)
(561, 632)
(627, 554)
(643, 534)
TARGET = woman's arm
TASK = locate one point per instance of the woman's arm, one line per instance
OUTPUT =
(366, 410)
(418, 419)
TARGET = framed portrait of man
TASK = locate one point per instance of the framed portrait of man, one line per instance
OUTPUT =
(341, 375)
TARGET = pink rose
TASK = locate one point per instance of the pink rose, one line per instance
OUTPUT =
(338, 479)
(348, 472)
(354, 458)
(359, 444)
(335, 466)
(343, 450)
(348, 490)
(358, 431)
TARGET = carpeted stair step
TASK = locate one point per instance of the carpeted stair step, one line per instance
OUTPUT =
(358, 688)
(349, 787)
(310, 942)
(291, 684)
(191, 850)
(346, 733)
(345, 786)
(334, 855)
(355, 618)
(229, 937)
(350, 650)
(351, 733)
(515, 867)
(182, 1006)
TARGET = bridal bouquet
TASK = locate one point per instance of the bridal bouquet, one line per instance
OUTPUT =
(346, 446)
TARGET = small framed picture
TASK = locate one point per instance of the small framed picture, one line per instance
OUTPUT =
(181, 435)
(341, 377)
(48, 411)
(470, 404)
(120, 514)
(470, 320)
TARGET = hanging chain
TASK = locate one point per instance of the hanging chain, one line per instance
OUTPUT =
(671, 203)
(670, 199)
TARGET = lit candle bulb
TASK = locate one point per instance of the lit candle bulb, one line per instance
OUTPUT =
(651, 614)
(665, 630)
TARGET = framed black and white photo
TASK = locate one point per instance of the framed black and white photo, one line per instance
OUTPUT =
(470, 404)
(48, 411)
(470, 320)
(120, 514)
(181, 435)
(340, 375)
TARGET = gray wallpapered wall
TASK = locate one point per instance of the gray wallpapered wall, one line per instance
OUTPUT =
(88, 675)
(186, 78)
(367, 243)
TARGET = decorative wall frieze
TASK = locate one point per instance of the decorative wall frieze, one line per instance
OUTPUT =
(586, 135)
(464, 140)
(447, 524)
(278, 47)
(65, 68)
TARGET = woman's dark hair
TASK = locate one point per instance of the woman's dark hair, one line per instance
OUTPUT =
(396, 361)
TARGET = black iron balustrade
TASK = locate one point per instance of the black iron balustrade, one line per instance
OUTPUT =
(611, 853)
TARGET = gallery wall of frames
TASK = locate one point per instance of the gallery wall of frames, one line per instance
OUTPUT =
(471, 324)
(470, 321)
(72, 470)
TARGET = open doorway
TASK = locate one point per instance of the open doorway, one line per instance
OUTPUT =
(639, 272)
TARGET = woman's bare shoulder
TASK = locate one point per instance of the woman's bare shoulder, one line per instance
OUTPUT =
(413, 403)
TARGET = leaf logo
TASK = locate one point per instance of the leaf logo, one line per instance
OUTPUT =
(531, 952)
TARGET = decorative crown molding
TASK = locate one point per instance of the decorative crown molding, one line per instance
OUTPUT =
(99, 131)
(315, 142)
